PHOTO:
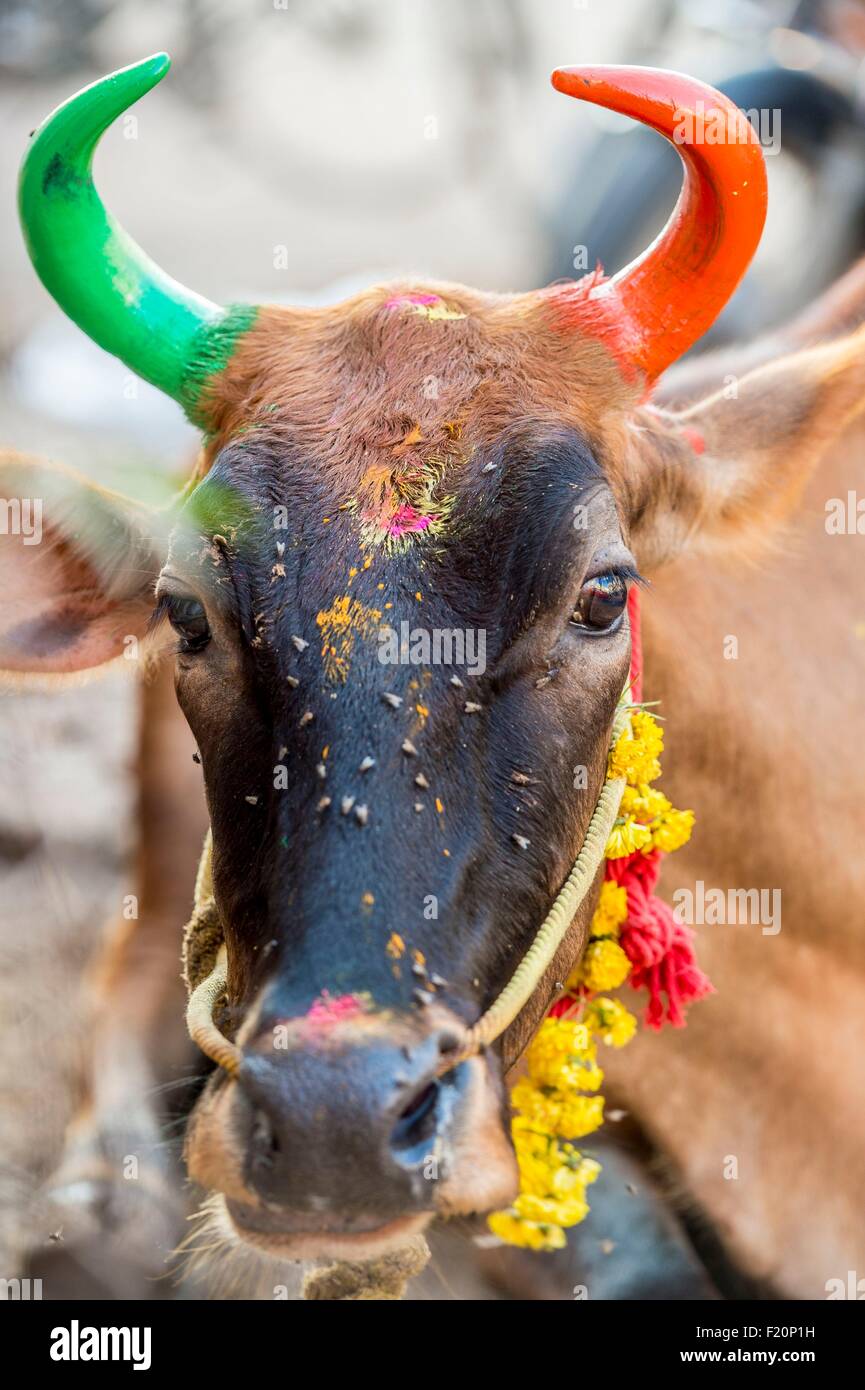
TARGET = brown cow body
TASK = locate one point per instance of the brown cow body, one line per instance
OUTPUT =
(770, 1071)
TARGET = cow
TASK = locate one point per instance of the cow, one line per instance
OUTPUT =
(421, 455)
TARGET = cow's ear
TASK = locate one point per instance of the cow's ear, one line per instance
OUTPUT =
(77, 569)
(724, 474)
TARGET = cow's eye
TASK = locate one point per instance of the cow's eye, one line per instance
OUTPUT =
(189, 620)
(601, 603)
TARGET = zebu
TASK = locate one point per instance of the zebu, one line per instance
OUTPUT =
(539, 401)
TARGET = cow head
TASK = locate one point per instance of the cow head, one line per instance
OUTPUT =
(397, 585)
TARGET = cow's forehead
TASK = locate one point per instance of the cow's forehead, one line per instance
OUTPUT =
(429, 526)
(421, 488)
(372, 435)
(425, 369)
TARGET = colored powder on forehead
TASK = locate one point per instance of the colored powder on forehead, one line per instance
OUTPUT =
(402, 497)
(400, 299)
(326, 1012)
(428, 306)
(332, 1007)
(346, 619)
(405, 519)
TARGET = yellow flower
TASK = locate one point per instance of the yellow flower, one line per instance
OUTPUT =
(550, 1102)
(554, 1167)
(644, 803)
(588, 1170)
(627, 836)
(561, 1038)
(647, 730)
(530, 1234)
(573, 1172)
(548, 1210)
(582, 1074)
(563, 1055)
(611, 911)
(673, 830)
(579, 1116)
(612, 1022)
(635, 755)
(604, 966)
(554, 1175)
(571, 1116)
(537, 1156)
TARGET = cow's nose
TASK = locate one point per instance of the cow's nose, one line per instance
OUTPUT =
(368, 1126)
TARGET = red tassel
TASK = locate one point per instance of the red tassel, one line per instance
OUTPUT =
(659, 948)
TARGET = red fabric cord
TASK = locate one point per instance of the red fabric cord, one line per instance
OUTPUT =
(636, 644)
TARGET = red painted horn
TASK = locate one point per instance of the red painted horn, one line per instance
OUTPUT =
(651, 312)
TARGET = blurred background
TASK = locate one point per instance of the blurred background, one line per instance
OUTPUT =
(298, 150)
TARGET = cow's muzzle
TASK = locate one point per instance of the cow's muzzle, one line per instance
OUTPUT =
(345, 1142)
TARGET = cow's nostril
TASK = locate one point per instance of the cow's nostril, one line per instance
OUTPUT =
(264, 1139)
(416, 1124)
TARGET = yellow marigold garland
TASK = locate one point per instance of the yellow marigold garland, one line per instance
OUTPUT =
(557, 1101)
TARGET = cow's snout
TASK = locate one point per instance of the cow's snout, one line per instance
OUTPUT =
(345, 1141)
(368, 1123)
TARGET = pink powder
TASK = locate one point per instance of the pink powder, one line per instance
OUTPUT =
(400, 299)
(326, 1010)
(406, 519)
(694, 438)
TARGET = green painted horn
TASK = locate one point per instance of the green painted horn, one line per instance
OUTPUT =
(98, 275)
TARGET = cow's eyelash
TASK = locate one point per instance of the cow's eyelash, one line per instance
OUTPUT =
(629, 574)
(158, 617)
(160, 612)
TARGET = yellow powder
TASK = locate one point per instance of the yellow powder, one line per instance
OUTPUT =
(340, 625)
